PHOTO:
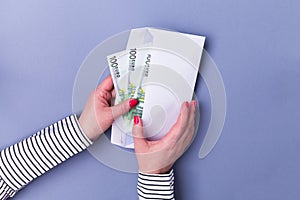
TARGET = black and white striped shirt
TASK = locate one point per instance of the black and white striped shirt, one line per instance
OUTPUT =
(156, 186)
(33, 156)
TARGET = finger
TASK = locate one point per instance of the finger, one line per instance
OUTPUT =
(138, 134)
(113, 93)
(183, 117)
(192, 113)
(106, 84)
(190, 130)
(182, 120)
(123, 107)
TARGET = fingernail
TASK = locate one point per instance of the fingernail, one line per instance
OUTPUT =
(135, 120)
(133, 102)
(195, 103)
(187, 104)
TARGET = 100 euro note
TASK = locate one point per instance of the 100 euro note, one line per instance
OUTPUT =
(128, 69)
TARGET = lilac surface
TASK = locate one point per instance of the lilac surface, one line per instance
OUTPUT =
(255, 44)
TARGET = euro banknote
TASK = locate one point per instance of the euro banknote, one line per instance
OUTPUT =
(129, 69)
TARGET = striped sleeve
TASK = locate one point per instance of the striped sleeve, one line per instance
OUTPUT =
(156, 186)
(32, 157)
(5, 190)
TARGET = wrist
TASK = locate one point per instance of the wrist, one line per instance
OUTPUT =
(164, 170)
(87, 129)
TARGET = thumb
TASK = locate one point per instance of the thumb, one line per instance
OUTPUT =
(138, 133)
(123, 107)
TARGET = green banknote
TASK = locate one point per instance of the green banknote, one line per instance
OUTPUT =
(129, 69)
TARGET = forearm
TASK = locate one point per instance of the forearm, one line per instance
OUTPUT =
(23, 162)
(156, 186)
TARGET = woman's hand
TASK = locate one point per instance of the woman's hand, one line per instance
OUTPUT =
(157, 157)
(98, 115)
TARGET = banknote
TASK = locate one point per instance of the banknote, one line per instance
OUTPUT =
(138, 68)
(128, 69)
(117, 72)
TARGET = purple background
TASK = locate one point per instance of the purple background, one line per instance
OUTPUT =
(254, 43)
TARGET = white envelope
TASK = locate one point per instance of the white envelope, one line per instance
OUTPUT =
(175, 60)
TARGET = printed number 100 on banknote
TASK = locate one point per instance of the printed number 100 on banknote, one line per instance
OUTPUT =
(129, 69)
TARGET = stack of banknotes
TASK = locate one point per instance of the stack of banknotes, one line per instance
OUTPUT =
(159, 68)
(128, 77)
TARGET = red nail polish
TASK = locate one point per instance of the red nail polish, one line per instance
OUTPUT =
(133, 102)
(135, 119)
(195, 103)
(187, 104)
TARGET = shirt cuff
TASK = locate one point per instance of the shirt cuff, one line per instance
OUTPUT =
(156, 186)
(89, 142)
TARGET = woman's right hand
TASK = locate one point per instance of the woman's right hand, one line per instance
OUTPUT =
(158, 157)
